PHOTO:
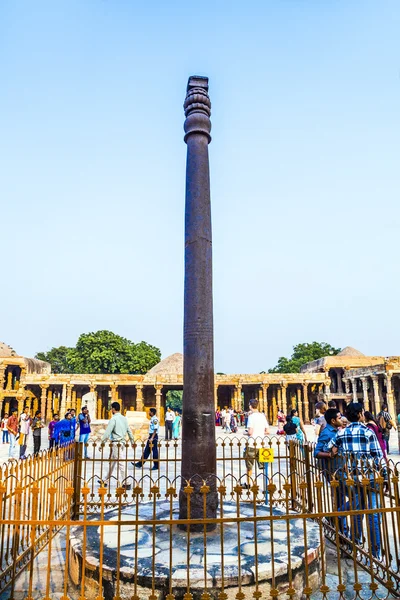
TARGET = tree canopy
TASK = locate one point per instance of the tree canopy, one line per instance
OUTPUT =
(174, 399)
(302, 354)
(58, 358)
(102, 352)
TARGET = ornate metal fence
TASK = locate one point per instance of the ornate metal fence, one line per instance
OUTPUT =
(292, 530)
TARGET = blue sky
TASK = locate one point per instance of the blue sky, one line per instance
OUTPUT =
(304, 172)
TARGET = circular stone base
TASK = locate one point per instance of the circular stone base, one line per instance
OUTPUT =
(155, 566)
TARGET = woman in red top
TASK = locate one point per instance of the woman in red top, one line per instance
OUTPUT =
(373, 426)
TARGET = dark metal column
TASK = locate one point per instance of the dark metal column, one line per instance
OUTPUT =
(198, 421)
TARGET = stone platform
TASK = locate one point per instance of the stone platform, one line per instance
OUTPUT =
(205, 570)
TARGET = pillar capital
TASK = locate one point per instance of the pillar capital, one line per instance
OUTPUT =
(158, 387)
(197, 107)
(139, 386)
(92, 387)
(265, 386)
(44, 387)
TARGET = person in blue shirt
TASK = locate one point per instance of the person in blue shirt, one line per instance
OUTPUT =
(84, 429)
(63, 431)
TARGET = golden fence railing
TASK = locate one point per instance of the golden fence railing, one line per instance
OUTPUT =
(294, 529)
(25, 487)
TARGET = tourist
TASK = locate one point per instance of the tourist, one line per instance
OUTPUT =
(218, 417)
(4, 429)
(84, 429)
(37, 427)
(290, 429)
(332, 404)
(63, 431)
(376, 428)
(386, 423)
(24, 431)
(320, 423)
(329, 465)
(301, 432)
(281, 418)
(280, 428)
(73, 422)
(169, 419)
(12, 427)
(117, 431)
(152, 442)
(176, 425)
(51, 431)
(363, 457)
(227, 420)
(234, 422)
(258, 428)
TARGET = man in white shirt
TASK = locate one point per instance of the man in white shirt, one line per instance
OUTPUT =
(116, 432)
(169, 417)
(258, 428)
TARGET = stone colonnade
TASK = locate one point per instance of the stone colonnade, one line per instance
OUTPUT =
(372, 390)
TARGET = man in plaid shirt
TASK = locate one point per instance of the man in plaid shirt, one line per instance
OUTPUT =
(360, 451)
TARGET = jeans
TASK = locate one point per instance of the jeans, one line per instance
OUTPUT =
(12, 445)
(83, 439)
(36, 444)
(358, 501)
(5, 436)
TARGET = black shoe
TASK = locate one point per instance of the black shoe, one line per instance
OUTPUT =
(154, 469)
(246, 486)
(101, 483)
(138, 465)
(126, 486)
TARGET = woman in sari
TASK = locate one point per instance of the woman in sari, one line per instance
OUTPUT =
(301, 432)
(176, 425)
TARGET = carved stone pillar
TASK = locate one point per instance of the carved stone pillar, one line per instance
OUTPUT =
(354, 389)
(78, 401)
(377, 400)
(158, 388)
(239, 397)
(2, 377)
(21, 398)
(299, 402)
(43, 397)
(274, 406)
(339, 381)
(390, 396)
(216, 396)
(9, 380)
(73, 400)
(139, 398)
(265, 387)
(63, 407)
(69, 396)
(364, 382)
(49, 411)
(114, 392)
(327, 389)
(284, 397)
(306, 403)
(346, 385)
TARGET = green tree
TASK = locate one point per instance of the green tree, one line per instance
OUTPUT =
(106, 352)
(174, 399)
(302, 354)
(58, 358)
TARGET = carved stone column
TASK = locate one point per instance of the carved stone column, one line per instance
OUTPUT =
(364, 382)
(63, 407)
(274, 406)
(49, 411)
(139, 398)
(260, 399)
(339, 381)
(265, 387)
(354, 389)
(9, 380)
(158, 388)
(216, 396)
(346, 382)
(390, 396)
(377, 400)
(2, 377)
(299, 402)
(21, 398)
(306, 403)
(284, 397)
(43, 397)
(69, 396)
(198, 422)
(73, 400)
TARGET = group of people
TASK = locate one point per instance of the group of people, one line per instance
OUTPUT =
(291, 426)
(172, 424)
(16, 430)
(230, 419)
(354, 446)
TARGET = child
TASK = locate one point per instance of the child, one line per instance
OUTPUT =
(280, 428)
(290, 429)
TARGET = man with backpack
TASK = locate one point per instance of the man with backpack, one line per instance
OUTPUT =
(386, 424)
